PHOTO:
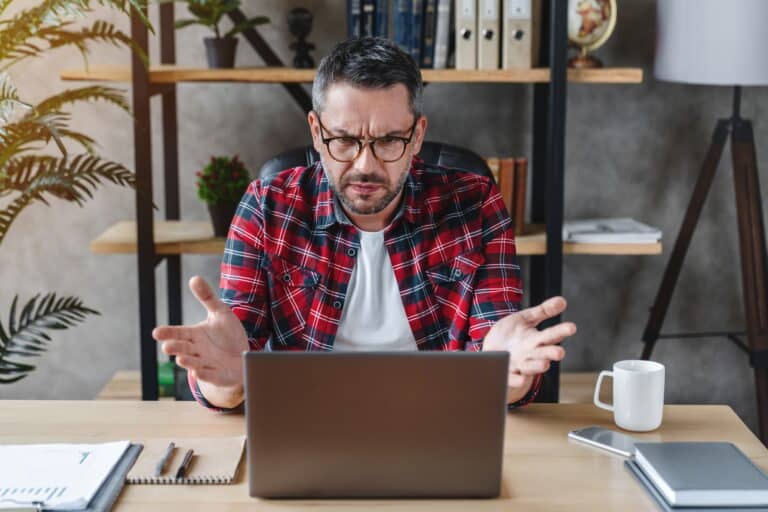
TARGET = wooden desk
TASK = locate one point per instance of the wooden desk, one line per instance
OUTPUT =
(543, 470)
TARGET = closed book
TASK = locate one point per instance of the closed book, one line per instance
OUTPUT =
(428, 34)
(354, 9)
(493, 165)
(521, 189)
(507, 183)
(442, 33)
(381, 23)
(621, 230)
(402, 24)
(367, 17)
(417, 15)
(702, 474)
(633, 468)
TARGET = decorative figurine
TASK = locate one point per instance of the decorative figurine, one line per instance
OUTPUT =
(300, 25)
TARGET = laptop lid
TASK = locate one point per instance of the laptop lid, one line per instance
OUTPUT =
(375, 424)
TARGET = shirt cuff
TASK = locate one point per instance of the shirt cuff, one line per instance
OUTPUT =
(198, 395)
(530, 396)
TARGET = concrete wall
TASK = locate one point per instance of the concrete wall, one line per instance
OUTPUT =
(632, 150)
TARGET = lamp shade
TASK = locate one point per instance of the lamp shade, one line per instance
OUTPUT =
(712, 42)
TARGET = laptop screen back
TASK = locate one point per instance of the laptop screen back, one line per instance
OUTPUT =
(375, 424)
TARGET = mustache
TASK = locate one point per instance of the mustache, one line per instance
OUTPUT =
(359, 177)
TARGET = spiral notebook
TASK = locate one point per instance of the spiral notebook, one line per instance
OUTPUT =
(215, 461)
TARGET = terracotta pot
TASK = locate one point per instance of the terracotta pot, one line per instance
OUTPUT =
(220, 52)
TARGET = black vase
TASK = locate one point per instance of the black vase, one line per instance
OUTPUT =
(221, 217)
(220, 52)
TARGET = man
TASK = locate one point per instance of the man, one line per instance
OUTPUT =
(368, 250)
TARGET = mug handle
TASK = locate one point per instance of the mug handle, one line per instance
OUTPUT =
(596, 398)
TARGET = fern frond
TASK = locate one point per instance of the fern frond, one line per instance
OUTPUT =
(92, 93)
(9, 98)
(26, 336)
(72, 180)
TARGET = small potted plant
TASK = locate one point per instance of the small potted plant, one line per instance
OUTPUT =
(221, 184)
(220, 50)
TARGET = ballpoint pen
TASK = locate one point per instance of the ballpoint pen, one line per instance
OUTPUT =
(185, 464)
(164, 460)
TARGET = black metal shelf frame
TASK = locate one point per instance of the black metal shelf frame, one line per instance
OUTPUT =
(549, 108)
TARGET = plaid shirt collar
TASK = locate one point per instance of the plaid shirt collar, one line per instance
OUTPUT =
(329, 211)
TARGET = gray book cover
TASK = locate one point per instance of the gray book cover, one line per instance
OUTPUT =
(702, 474)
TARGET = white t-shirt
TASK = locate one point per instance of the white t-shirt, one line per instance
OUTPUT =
(373, 317)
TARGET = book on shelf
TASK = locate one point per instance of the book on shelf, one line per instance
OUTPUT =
(700, 474)
(520, 190)
(510, 175)
(507, 183)
(442, 33)
(620, 230)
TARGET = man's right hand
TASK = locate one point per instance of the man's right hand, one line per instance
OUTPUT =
(211, 350)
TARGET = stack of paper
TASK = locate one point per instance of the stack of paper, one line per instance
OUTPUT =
(56, 476)
(696, 476)
(609, 231)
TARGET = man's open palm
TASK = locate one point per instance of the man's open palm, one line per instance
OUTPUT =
(212, 349)
(530, 350)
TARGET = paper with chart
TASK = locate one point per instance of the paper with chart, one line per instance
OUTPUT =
(60, 476)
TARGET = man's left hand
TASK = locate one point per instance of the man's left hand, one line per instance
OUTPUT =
(530, 351)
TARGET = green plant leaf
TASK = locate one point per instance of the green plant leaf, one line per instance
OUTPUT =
(187, 22)
(72, 180)
(9, 98)
(25, 336)
(240, 27)
(93, 93)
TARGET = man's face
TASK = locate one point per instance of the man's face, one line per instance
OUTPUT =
(367, 185)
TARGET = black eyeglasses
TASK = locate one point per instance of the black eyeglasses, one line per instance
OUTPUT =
(347, 149)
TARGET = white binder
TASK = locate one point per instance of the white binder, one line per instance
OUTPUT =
(442, 33)
(488, 31)
(466, 34)
(520, 37)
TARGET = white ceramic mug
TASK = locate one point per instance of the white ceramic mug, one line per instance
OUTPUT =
(638, 394)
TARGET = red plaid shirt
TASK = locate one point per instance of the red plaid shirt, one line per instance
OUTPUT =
(290, 253)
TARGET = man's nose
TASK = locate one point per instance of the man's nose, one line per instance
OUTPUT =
(366, 161)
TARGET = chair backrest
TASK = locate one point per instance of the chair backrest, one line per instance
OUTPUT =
(435, 153)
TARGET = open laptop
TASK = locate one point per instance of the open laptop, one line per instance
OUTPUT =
(375, 424)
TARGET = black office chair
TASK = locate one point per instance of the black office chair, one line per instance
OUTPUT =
(435, 153)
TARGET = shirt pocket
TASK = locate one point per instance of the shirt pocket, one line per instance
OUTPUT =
(292, 292)
(462, 268)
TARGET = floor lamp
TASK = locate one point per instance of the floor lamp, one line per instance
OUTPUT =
(709, 42)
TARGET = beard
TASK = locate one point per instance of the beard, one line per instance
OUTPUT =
(365, 204)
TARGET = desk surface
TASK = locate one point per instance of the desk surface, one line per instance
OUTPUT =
(543, 470)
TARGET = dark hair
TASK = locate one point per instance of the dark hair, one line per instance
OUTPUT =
(368, 62)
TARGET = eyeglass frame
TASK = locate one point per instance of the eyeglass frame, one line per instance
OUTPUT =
(362, 143)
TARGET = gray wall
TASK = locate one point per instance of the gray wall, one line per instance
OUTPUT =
(632, 150)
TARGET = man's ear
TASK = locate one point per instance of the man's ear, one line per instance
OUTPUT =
(420, 131)
(314, 129)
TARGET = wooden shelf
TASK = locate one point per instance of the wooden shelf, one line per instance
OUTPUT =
(176, 74)
(179, 237)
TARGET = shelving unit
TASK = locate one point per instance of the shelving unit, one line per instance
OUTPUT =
(177, 237)
(154, 241)
(175, 75)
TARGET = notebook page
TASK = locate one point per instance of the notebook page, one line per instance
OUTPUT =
(61, 476)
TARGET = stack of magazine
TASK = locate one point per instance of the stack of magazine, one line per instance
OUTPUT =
(621, 230)
(704, 476)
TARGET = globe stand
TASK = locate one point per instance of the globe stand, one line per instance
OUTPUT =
(584, 61)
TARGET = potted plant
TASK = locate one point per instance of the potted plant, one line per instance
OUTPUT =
(221, 184)
(37, 162)
(220, 50)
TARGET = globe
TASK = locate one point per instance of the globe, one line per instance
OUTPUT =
(590, 24)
